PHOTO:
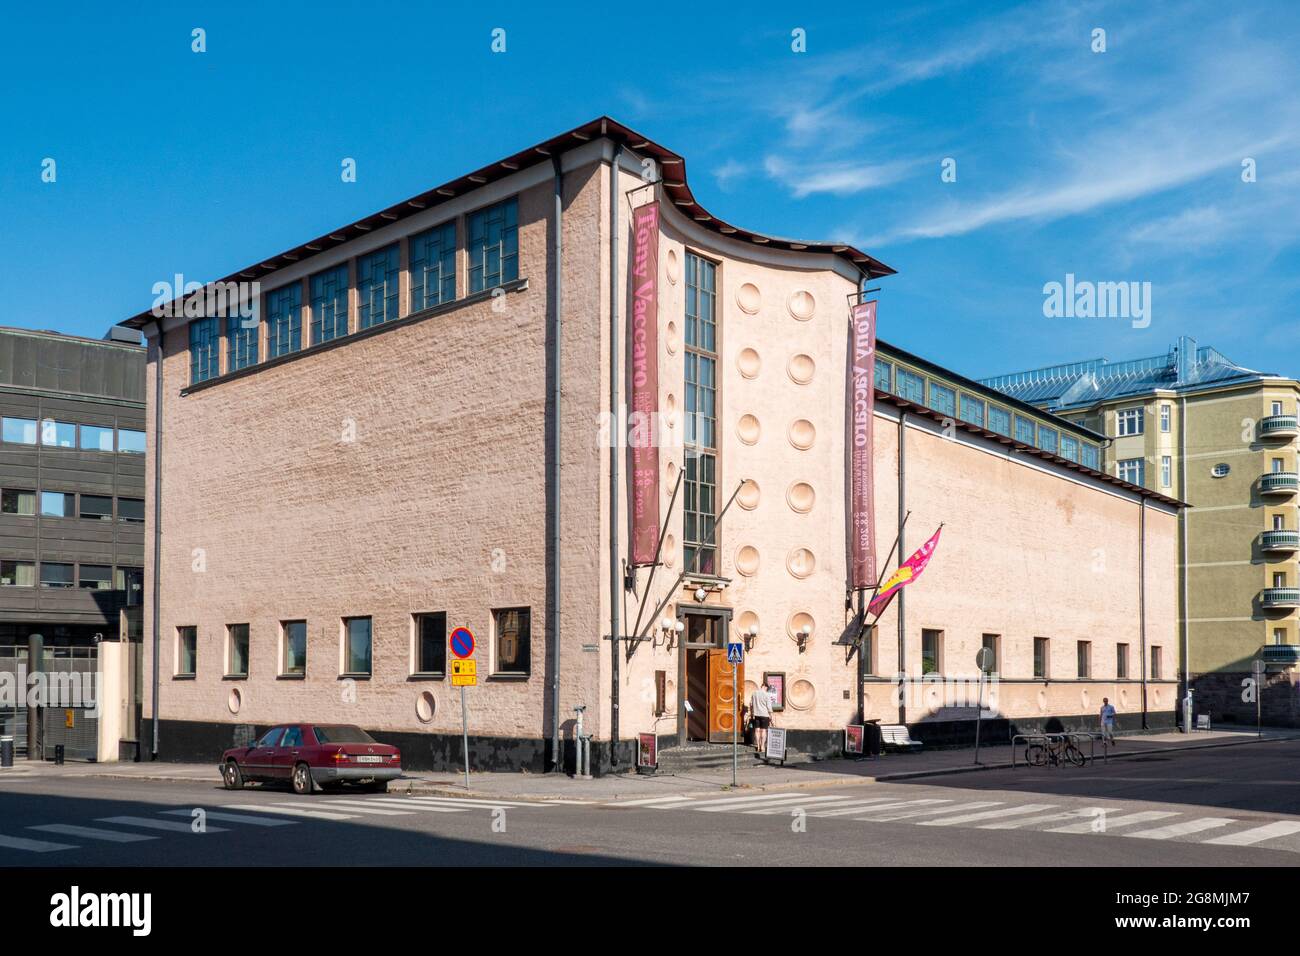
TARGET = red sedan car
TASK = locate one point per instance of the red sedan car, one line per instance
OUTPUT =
(312, 756)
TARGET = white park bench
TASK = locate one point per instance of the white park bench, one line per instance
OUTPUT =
(1202, 721)
(896, 737)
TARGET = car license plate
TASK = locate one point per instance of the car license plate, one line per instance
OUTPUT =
(370, 760)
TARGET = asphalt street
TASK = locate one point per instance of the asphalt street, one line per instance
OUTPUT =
(1227, 807)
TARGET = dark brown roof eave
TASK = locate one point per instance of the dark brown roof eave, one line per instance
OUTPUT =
(676, 188)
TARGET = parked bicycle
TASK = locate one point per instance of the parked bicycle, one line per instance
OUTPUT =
(1042, 751)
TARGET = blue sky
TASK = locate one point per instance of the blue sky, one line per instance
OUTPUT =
(1115, 166)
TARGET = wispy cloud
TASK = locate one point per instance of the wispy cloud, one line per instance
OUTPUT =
(836, 178)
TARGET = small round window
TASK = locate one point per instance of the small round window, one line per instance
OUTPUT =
(1220, 470)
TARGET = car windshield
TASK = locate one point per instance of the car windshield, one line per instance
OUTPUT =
(343, 734)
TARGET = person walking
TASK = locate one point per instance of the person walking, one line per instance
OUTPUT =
(1107, 721)
(760, 706)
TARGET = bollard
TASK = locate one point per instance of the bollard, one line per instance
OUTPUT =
(6, 751)
(58, 754)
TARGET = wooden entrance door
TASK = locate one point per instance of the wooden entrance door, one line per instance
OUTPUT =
(724, 708)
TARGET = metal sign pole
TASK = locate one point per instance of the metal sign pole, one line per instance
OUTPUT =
(1259, 667)
(464, 730)
(979, 715)
(735, 722)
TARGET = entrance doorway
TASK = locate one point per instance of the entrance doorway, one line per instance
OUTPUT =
(710, 689)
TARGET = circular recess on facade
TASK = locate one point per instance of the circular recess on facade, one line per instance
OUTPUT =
(1085, 700)
(802, 434)
(748, 429)
(670, 403)
(750, 687)
(671, 472)
(1123, 697)
(800, 497)
(802, 305)
(1220, 470)
(802, 694)
(749, 298)
(234, 700)
(1042, 701)
(747, 560)
(671, 339)
(669, 556)
(749, 363)
(800, 563)
(425, 705)
(672, 269)
(748, 495)
(1155, 696)
(745, 620)
(801, 368)
(798, 621)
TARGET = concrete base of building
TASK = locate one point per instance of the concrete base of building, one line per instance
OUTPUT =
(1226, 697)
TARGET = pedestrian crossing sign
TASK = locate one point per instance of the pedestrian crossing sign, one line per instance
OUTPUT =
(735, 653)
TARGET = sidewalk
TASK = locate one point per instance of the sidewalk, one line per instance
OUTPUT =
(560, 787)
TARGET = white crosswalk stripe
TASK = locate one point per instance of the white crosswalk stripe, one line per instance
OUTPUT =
(986, 815)
(1257, 834)
(890, 817)
(171, 826)
(34, 846)
(362, 807)
(292, 811)
(838, 809)
(1113, 821)
(468, 801)
(745, 803)
(1091, 812)
(409, 807)
(1181, 829)
(785, 806)
(655, 802)
(93, 833)
(234, 818)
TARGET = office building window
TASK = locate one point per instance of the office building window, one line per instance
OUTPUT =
(56, 575)
(356, 645)
(931, 651)
(16, 502)
(992, 643)
(236, 650)
(1166, 412)
(18, 574)
(293, 648)
(377, 286)
(1069, 448)
(512, 639)
(1084, 653)
(56, 504)
(96, 438)
(97, 577)
(1089, 456)
(1277, 408)
(1041, 657)
(884, 377)
(972, 410)
(58, 434)
(1166, 471)
(187, 647)
(20, 431)
(1279, 635)
(284, 320)
(1024, 430)
(1130, 470)
(999, 420)
(96, 507)
(130, 441)
(1121, 662)
(433, 266)
(1278, 465)
(130, 580)
(1128, 421)
(910, 386)
(1279, 579)
(130, 509)
(431, 643)
(1047, 439)
(1156, 660)
(329, 304)
(943, 399)
(205, 343)
(494, 246)
(241, 342)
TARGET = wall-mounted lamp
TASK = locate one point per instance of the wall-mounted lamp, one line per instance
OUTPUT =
(701, 594)
(749, 636)
(668, 630)
(805, 632)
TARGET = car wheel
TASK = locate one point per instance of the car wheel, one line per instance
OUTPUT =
(302, 782)
(231, 777)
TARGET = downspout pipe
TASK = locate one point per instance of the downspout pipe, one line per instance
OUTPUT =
(1142, 599)
(557, 753)
(157, 530)
(615, 578)
(902, 594)
(1187, 627)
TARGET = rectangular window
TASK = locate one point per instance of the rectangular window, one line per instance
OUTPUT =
(1279, 522)
(18, 574)
(205, 340)
(1279, 579)
(378, 286)
(357, 643)
(284, 320)
(130, 509)
(96, 438)
(701, 417)
(293, 653)
(130, 580)
(1130, 470)
(1121, 662)
(56, 575)
(236, 650)
(433, 266)
(58, 434)
(187, 646)
(56, 504)
(431, 643)
(699, 513)
(1041, 657)
(1090, 456)
(943, 399)
(1084, 652)
(130, 441)
(20, 431)
(1278, 466)
(97, 577)
(241, 342)
(1047, 439)
(511, 627)
(1129, 421)
(1277, 408)
(972, 410)
(16, 502)
(993, 642)
(1024, 430)
(1156, 660)
(1279, 635)
(1069, 448)
(329, 304)
(931, 651)
(1166, 471)
(868, 650)
(1165, 413)
(494, 246)
(999, 420)
(910, 386)
(884, 378)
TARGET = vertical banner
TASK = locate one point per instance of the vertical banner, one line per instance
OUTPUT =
(861, 410)
(643, 401)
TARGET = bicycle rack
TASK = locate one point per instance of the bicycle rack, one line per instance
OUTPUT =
(1047, 740)
(1026, 738)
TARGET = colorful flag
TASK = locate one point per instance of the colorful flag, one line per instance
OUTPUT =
(907, 572)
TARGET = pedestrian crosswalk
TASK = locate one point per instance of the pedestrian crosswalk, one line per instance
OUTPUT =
(939, 812)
